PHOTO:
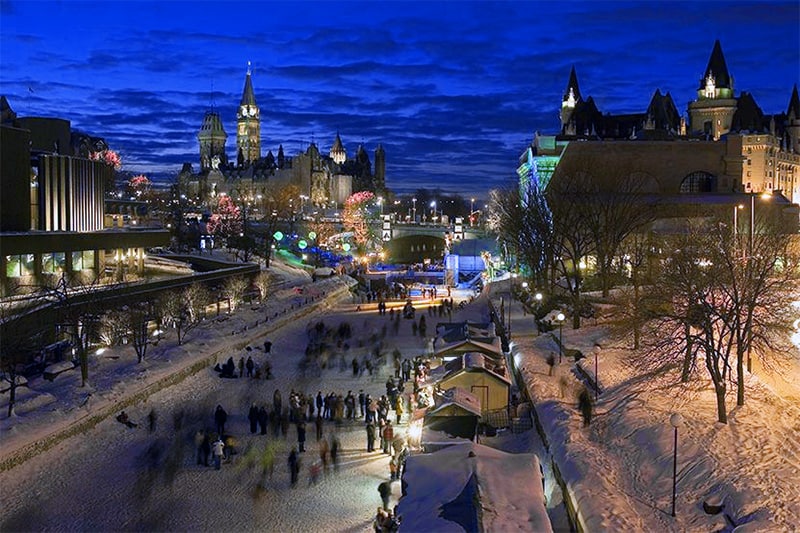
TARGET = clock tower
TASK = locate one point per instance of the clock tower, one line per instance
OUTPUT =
(248, 125)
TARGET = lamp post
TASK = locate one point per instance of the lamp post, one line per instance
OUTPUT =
(560, 317)
(433, 210)
(414, 218)
(764, 196)
(596, 351)
(538, 298)
(471, 211)
(676, 420)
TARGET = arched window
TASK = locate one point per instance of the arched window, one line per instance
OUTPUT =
(699, 182)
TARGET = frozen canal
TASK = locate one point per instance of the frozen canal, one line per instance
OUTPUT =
(101, 480)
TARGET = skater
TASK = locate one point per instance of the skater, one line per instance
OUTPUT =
(203, 445)
(250, 365)
(301, 436)
(318, 423)
(388, 436)
(385, 490)
(294, 466)
(252, 416)
(370, 437)
(220, 417)
(263, 419)
(398, 408)
(218, 449)
(152, 418)
(361, 401)
(241, 367)
(335, 452)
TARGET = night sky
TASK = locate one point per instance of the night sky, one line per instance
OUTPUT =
(453, 90)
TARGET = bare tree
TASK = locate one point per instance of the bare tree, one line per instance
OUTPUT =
(263, 282)
(184, 308)
(138, 317)
(522, 220)
(573, 238)
(17, 347)
(235, 288)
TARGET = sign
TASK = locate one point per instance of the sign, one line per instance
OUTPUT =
(387, 235)
(277, 235)
(302, 244)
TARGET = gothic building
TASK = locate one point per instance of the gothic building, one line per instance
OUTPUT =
(326, 180)
(728, 145)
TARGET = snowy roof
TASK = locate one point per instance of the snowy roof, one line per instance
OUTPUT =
(493, 348)
(493, 491)
(475, 362)
(456, 396)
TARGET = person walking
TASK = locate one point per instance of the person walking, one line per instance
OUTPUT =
(220, 417)
(398, 408)
(252, 416)
(370, 437)
(361, 401)
(199, 438)
(388, 436)
(294, 466)
(385, 490)
(218, 449)
(241, 367)
(250, 365)
(318, 423)
(263, 419)
(301, 436)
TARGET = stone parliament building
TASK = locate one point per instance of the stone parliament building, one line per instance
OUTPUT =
(324, 180)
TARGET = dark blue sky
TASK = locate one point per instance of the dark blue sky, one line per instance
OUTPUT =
(453, 90)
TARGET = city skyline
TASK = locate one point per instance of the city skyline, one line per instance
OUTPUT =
(453, 91)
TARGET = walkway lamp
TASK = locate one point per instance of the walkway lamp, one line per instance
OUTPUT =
(596, 351)
(560, 318)
(676, 420)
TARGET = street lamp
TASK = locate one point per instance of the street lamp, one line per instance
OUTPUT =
(596, 351)
(538, 298)
(764, 196)
(560, 317)
(471, 211)
(414, 218)
(676, 420)
(433, 210)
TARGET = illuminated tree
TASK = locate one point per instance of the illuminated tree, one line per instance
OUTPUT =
(356, 217)
(226, 222)
(139, 186)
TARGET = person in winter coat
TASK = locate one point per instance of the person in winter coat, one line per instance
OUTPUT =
(220, 417)
(388, 436)
(318, 423)
(249, 365)
(385, 490)
(398, 408)
(370, 437)
(294, 465)
(301, 436)
(218, 450)
(252, 416)
(263, 419)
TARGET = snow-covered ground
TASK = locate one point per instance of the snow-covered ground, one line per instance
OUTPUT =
(619, 470)
(99, 479)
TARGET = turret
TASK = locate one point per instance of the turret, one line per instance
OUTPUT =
(212, 138)
(793, 122)
(712, 113)
(338, 153)
(571, 98)
(248, 122)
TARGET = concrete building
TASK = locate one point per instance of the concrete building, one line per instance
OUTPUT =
(52, 208)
